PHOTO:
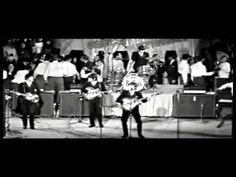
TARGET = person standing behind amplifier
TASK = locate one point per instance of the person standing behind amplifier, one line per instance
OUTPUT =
(172, 68)
(198, 71)
(70, 72)
(54, 78)
(184, 69)
(40, 70)
(86, 69)
(117, 67)
(224, 68)
(139, 58)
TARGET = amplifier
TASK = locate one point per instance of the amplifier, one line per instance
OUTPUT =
(194, 105)
(47, 108)
(73, 104)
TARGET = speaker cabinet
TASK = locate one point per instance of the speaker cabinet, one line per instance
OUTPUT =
(73, 104)
(47, 108)
(194, 105)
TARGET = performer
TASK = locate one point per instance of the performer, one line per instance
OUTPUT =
(131, 93)
(139, 58)
(30, 103)
(92, 93)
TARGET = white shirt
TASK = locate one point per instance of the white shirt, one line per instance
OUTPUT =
(118, 65)
(227, 85)
(199, 70)
(20, 76)
(55, 69)
(183, 69)
(41, 68)
(4, 74)
(224, 70)
(69, 69)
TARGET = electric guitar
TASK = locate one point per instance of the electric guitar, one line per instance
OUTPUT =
(130, 103)
(28, 96)
(93, 93)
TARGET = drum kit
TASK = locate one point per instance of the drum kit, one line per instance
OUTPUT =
(141, 78)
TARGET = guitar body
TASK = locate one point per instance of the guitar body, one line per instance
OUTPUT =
(130, 103)
(34, 98)
(92, 93)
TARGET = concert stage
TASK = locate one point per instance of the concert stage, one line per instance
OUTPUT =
(154, 128)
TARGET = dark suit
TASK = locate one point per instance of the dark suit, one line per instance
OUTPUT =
(139, 60)
(95, 105)
(172, 72)
(134, 112)
(26, 107)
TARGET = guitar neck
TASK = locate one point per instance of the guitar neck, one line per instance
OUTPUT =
(22, 94)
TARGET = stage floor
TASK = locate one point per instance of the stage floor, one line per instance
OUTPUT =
(155, 128)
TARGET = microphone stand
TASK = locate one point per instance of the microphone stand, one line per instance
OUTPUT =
(130, 121)
(178, 115)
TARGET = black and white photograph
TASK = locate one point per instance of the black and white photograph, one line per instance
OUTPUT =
(117, 88)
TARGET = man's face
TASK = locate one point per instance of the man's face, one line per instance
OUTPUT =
(141, 52)
(10, 58)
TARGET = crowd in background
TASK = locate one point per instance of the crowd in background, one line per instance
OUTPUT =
(53, 71)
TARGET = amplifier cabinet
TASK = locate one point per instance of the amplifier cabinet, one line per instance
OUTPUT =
(47, 108)
(73, 104)
(194, 105)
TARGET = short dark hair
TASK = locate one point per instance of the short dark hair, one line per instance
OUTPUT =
(93, 76)
(28, 75)
(67, 57)
(185, 56)
(141, 47)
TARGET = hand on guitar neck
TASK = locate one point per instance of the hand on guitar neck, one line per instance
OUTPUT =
(130, 103)
(28, 96)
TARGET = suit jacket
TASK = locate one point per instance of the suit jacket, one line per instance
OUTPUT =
(172, 71)
(22, 102)
(139, 60)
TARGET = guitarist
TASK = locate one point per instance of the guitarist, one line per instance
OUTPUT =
(131, 93)
(95, 104)
(25, 105)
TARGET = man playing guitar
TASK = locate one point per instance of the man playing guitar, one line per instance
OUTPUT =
(92, 92)
(123, 99)
(29, 102)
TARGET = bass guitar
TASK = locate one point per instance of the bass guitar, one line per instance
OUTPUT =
(34, 98)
